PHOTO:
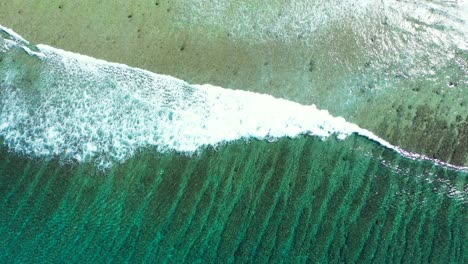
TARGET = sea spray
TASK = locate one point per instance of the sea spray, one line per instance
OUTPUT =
(89, 109)
(85, 109)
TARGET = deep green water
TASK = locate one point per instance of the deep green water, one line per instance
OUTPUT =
(296, 200)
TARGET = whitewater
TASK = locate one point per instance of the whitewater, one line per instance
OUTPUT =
(84, 109)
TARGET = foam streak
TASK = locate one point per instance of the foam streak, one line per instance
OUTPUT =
(84, 109)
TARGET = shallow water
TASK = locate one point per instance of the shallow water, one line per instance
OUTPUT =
(101, 162)
(396, 68)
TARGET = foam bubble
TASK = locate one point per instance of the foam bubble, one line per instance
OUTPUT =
(88, 109)
(84, 109)
(12, 39)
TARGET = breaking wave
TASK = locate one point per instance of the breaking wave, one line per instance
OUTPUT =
(85, 109)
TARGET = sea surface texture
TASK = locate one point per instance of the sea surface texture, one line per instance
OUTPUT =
(396, 68)
(105, 163)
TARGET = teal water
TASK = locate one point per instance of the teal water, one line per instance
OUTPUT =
(287, 184)
(295, 200)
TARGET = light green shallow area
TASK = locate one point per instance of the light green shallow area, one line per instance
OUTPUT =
(296, 200)
(397, 68)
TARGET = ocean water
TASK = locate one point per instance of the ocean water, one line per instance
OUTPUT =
(101, 162)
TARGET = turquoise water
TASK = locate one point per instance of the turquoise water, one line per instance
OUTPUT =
(295, 200)
(101, 163)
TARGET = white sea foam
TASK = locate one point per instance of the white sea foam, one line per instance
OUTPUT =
(89, 109)
(15, 40)
(84, 109)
